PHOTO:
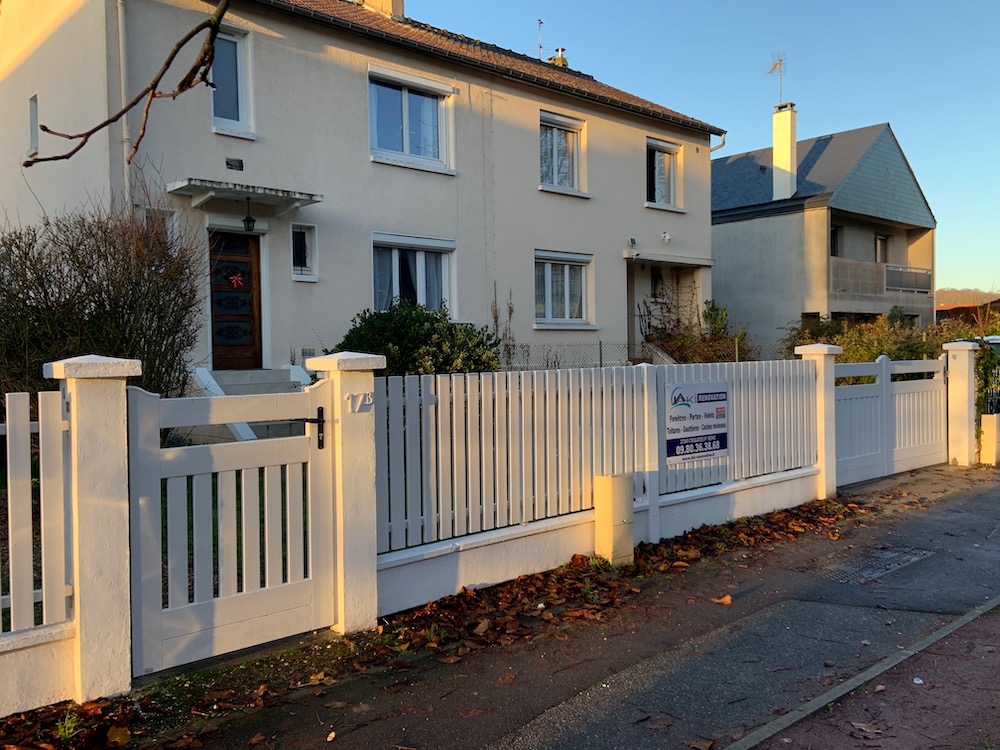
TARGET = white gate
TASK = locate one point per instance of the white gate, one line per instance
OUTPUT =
(231, 542)
(886, 426)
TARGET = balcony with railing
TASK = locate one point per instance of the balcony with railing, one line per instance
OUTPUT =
(858, 286)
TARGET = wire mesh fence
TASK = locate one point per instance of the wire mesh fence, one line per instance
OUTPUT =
(558, 355)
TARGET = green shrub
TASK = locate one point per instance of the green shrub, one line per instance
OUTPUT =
(418, 341)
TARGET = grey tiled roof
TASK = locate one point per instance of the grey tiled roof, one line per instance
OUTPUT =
(861, 171)
(419, 37)
(824, 163)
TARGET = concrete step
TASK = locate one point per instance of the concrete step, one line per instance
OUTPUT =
(250, 377)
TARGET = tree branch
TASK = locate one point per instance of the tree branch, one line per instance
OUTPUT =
(196, 74)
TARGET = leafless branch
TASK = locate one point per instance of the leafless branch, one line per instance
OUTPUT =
(197, 74)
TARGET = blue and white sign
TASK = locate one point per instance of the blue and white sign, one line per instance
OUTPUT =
(697, 421)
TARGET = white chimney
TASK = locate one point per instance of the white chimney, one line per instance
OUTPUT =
(784, 154)
(391, 8)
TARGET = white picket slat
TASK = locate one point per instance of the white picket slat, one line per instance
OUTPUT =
(22, 589)
(54, 508)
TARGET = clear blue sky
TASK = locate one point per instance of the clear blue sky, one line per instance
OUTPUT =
(930, 69)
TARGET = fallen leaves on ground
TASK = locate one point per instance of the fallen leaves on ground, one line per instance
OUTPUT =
(584, 591)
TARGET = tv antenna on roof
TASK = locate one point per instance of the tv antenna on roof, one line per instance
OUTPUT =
(540, 22)
(779, 66)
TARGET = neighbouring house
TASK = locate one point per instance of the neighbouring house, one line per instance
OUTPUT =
(380, 157)
(829, 227)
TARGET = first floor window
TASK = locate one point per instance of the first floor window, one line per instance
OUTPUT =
(405, 120)
(836, 240)
(303, 251)
(230, 89)
(661, 168)
(558, 148)
(413, 274)
(560, 289)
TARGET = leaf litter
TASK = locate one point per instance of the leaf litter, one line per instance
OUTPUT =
(184, 711)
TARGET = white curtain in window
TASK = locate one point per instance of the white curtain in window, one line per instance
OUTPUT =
(383, 278)
(575, 292)
(423, 116)
(540, 291)
(545, 155)
(433, 275)
(559, 291)
(564, 157)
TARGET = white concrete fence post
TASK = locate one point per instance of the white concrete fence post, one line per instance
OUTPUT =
(94, 389)
(961, 402)
(824, 356)
(352, 427)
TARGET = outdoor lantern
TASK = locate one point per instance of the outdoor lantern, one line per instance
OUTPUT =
(248, 220)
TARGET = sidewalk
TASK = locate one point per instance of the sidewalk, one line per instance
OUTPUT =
(672, 669)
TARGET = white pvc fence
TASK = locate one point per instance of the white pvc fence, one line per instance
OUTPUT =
(36, 578)
(228, 539)
(461, 454)
(890, 425)
(772, 421)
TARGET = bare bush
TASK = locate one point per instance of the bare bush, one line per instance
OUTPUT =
(99, 281)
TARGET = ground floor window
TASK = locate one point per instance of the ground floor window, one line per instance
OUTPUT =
(561, 287)
(417, 274)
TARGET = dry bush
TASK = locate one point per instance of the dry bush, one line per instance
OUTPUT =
(99, 281)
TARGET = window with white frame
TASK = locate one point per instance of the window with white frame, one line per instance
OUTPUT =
(33, 125)
(414, 269)
(409, 119)
(304, 253)
(231, 88)
(559, 151)
(661, 173)
(561, 287)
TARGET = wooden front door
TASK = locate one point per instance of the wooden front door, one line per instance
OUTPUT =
(235, 301)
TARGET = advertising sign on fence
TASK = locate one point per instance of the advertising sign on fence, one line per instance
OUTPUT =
(697, 421)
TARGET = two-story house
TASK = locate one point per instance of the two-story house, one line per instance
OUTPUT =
(830, 227)
(379, 157)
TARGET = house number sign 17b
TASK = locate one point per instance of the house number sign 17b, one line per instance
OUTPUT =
(358, 403)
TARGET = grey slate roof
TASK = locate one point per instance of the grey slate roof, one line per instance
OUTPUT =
(862, 171)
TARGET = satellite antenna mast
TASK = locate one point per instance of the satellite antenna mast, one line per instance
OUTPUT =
(540, 22)
(779, 66)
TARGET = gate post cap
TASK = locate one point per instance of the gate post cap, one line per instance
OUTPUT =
(345, 362)
(961, 346)
(818, 349)
(91, 367)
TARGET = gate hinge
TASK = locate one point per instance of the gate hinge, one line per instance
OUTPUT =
(321, 433)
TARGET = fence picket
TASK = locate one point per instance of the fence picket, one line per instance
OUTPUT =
(297, 520)
(446, 444)
(380, 402)
(253, 560)
(459, 463)
(54, 508)
(397, 465)
(488, 451)
(273, 553)
(428, 459)
(411, 459)
(473, 458)
(22, 590)
(228, 534)
(204, 529)
(177, 542)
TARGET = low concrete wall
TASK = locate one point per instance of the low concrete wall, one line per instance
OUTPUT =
(410, 578)
(38, 667)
